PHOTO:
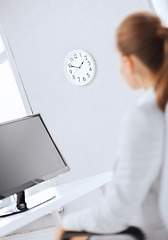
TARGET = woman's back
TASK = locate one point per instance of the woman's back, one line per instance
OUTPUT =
(148, 216)
(132, 196)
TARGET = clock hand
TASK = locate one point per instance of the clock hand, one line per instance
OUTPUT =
(81, 65)
(75, 71)
(74, 66)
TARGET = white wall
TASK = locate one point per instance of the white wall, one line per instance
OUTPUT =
(84, 121)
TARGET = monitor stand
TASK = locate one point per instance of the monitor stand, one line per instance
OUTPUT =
(23, 203)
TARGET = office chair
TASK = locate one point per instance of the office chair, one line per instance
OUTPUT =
(131, 233)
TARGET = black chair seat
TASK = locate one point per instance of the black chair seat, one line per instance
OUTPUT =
(134, 232)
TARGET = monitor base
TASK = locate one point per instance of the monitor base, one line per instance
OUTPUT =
(24, 203)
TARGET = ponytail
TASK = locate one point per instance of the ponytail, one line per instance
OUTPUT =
(161, 87)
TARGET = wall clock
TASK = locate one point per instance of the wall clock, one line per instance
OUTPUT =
(79, 67)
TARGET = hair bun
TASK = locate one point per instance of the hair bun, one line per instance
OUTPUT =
(162, 32)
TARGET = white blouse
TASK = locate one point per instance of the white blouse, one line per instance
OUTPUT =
(131, 198)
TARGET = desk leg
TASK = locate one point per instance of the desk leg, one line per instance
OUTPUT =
(56, 217)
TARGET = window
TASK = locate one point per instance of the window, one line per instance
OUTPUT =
(12, 107)
(11, 104)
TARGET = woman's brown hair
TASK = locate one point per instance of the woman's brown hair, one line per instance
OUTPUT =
(143, 35)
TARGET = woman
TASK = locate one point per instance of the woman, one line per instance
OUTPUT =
(132, 196)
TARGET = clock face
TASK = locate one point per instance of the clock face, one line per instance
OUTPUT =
(79, 67)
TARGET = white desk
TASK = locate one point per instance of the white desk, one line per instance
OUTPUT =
(66, 193)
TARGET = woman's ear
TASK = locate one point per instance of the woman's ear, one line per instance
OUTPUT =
(129, 63)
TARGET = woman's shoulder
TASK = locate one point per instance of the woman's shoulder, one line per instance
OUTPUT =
(147, 107)
(148, 103)
(146, 114)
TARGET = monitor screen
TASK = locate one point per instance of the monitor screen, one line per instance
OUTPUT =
(28, 154)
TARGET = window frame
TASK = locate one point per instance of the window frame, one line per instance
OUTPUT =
(9, 56)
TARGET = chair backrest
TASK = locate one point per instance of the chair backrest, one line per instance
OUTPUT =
(164, 180)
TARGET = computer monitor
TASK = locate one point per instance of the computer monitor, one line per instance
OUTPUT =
(28, 155)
